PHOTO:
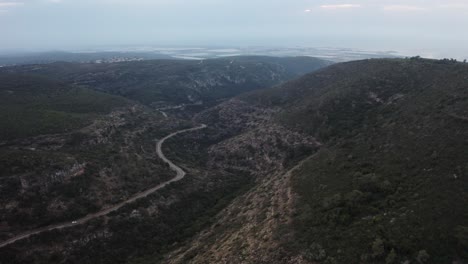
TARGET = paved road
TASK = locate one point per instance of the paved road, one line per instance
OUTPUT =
(179, 175)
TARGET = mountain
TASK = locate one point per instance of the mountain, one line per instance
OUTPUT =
(169, 83)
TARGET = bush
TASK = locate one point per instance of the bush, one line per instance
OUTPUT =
(422, 256)
(315, 252)
(391, 257)
(378, 248)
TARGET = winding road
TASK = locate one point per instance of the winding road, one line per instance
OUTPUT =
(180, 174)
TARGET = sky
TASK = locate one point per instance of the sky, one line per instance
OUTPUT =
(432, 28)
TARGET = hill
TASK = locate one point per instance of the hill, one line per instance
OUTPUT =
(80, 57)
(166, 83)
(391, 181)
(33, 105)
(387, 183)
(67, 151)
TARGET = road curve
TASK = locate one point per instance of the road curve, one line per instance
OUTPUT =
(180, 174)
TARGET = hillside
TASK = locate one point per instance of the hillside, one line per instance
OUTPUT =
(166, 83)
(388, 183)
(33, 105)
(68, 151)
(391, 182)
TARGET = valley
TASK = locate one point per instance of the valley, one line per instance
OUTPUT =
(277, 160)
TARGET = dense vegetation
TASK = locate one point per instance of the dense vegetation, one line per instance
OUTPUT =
(32, 105)
(390, 183)
(56, 178)
(144, 231)
(174, 82)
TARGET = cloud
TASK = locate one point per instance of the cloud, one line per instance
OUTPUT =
(404, 8)
(454, 6)
(307, 10)
(341, 6)
(10, 4)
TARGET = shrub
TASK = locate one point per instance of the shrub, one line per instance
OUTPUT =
(391, 257)
(315, 252)
(378, 248)
(422, 256)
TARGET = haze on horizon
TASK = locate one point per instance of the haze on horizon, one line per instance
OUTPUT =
(432, 28)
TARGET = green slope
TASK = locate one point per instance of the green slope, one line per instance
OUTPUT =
(178, 81)
(391, 181)
(31, 105)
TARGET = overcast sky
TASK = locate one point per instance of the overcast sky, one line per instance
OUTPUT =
(435, 27)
